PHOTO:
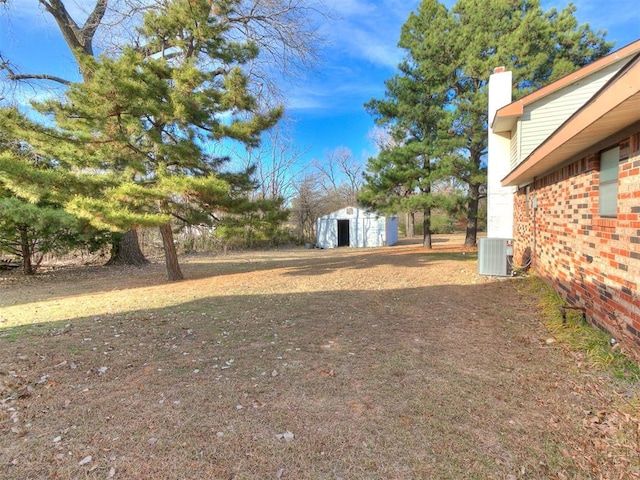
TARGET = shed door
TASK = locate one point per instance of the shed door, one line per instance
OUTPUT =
(343, 233)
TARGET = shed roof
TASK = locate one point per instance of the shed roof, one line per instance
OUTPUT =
(349, 211)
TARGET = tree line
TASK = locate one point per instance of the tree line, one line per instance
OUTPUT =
(178, 120)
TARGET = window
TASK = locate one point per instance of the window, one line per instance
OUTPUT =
(608, 197)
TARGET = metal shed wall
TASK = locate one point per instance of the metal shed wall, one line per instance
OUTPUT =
(366, 229)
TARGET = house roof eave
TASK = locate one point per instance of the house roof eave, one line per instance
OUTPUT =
(611, 110)
(507, 116)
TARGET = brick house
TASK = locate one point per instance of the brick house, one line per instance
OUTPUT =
(564, 164)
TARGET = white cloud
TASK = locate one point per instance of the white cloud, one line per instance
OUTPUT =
(350, 8)
(368, 30)
(363, 35)
(340, 89)
(377, 52)
(302, 100)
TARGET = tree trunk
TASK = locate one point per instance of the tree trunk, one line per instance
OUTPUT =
(472, 216)
(127, 251)
(170, 256)
(426, 225)
(411, 224)
(25, 247)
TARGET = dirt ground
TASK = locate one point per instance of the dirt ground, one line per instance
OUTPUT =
(388, 363)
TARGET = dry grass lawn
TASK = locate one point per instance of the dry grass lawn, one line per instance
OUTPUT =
(389, 363)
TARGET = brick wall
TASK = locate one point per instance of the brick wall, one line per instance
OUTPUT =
(591, 262)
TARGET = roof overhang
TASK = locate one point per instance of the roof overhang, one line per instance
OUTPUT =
(507, 116)
(615, 107)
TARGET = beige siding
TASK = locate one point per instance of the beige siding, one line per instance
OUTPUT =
(543, 117)
(515, 147)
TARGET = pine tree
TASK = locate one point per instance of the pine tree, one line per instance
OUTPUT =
(32, 219)
(402, 176)
(288, 42)
(449, 56)
(142, 125)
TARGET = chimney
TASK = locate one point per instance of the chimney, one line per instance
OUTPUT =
(499, 91)
(499, 198)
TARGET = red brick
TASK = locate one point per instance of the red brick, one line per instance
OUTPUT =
(566, 196)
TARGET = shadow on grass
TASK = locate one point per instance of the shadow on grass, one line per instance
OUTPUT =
(61, 284)
(441, 381)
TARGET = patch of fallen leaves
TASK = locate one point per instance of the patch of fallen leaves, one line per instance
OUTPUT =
(14, 385)
(217, 388)
(610, 445)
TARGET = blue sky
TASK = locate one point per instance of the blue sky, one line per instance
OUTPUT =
(329, 110)
(326, 108)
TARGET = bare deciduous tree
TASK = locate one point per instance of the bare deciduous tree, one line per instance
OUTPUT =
(276, 164)
(340, 176)
(306, 207)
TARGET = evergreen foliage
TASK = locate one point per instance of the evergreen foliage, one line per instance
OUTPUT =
(139, 127)
(436, 106)
(30, 231)
(32, 220)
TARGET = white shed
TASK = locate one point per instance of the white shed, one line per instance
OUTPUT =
(356, 227)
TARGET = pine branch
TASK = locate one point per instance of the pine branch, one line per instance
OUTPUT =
(180, 217)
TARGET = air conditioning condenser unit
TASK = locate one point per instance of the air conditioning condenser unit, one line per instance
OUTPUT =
(495, 257)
